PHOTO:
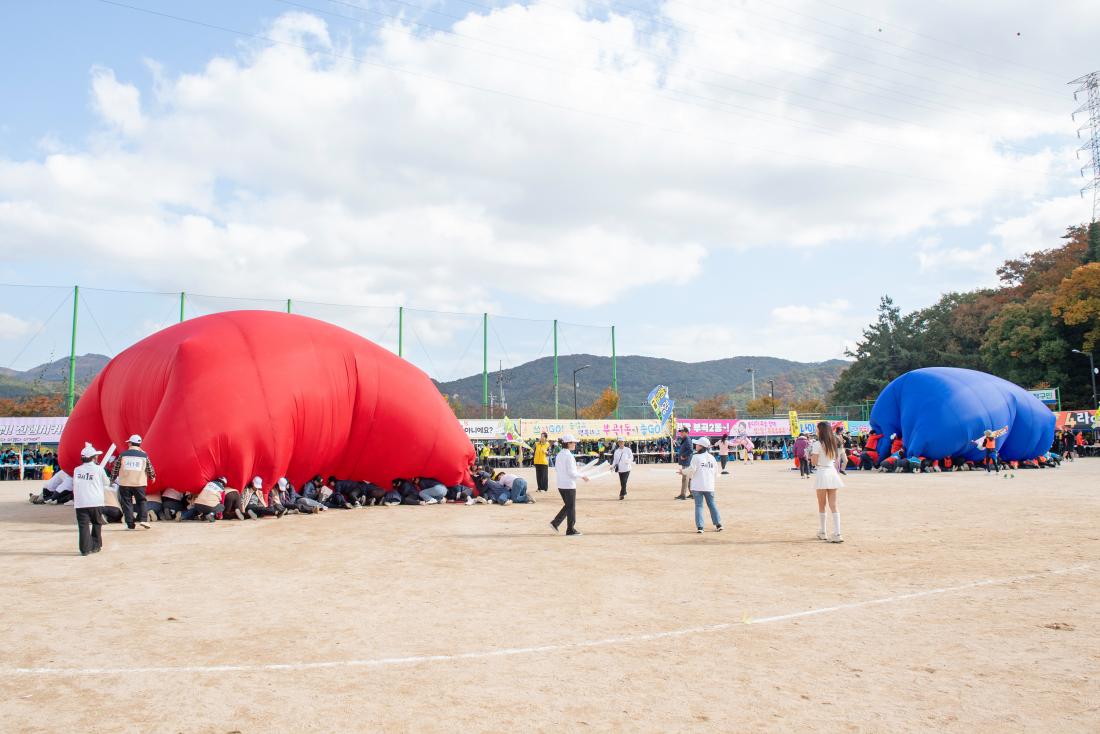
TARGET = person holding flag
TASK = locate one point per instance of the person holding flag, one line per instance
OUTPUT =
(567, 474)
(89, 496)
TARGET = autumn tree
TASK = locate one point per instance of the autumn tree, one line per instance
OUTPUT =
(762, 406)
(1077, 303)
(33, 406)
(602, 407)
(715, 406)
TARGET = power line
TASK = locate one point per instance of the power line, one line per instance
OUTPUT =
(1089, 85)
(759, 114)
(968, 49)
(524, 98)
(954, 69)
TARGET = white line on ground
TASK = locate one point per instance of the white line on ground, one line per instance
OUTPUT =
(510, 651)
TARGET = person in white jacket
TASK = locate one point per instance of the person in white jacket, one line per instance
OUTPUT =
(565, 468)
(622, 461)
(702, 471)
(89, 495)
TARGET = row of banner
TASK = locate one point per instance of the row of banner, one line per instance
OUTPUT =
(48, 430)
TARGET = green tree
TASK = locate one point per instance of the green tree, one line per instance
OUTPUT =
(1025, 345)
(1092, 254)
(1077, 303)
(884, 352)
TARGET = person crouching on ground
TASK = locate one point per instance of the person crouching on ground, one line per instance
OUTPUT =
(431, 491)
(702, 472)
(57, 491)
(255, 504)
(516, 486)
(89, 487)
(622, 461)
(826, 480)
(132, 472)
(209, 502)
(566, 474)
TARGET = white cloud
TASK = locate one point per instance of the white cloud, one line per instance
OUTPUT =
(117, 103)
(327, 175)
(12, 327)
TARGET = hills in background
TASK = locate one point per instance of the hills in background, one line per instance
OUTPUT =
(50, 378)
(529, 388)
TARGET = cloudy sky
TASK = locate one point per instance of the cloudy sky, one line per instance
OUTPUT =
(715, 178)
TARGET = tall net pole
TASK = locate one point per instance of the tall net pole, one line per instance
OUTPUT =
(1088, 87)
(555, 369)
(615, 373)
(485, 364)
(401, 331)
(72, 352)
(183, 302)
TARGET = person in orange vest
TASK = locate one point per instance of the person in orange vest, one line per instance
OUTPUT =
(988, 444)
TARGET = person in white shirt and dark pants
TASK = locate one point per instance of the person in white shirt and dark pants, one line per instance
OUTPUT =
(702, 471)
(567, 474)
(622, 461)
(89, 495)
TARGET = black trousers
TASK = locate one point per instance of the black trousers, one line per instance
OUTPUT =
(723, 460)
(623, 476)
(171, 507)
(542, 477)
(89, 526)
(232, 503)
(111, 514)
(569, 509)
(132, 500)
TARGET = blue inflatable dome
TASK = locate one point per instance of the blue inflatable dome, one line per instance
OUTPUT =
(940, 411)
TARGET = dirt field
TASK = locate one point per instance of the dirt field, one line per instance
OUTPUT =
(960, 603)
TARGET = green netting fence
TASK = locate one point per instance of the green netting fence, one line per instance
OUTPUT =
(487, 365)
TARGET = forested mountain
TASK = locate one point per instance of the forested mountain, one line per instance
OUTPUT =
(1048, 304)
(529, 388)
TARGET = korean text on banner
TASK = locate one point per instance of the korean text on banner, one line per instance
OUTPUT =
(587, 430)
(795, 428)
(484, 430)
(31, 430)
(735, 427)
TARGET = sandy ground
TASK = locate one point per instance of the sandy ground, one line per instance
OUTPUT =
(638, 625)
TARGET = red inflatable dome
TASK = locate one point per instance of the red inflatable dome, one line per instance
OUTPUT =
(258, 393)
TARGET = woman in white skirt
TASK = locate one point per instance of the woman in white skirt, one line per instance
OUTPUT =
(827, 481)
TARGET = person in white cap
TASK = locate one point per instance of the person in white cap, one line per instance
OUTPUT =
(701, 471)
(565, 468)
(622, 461)
(132, 473)
(89, 495)
(255, 504)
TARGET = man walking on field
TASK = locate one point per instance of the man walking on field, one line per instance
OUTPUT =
(132, 473)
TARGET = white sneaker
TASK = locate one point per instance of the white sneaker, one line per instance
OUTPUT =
(470, 501)
(822, 535)
(431, 501)
(836, 538)
(507, 502)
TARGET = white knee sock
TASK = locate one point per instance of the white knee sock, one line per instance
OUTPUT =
(821, 516)
(836, 523)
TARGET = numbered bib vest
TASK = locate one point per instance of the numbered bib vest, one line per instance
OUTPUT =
(132, 470)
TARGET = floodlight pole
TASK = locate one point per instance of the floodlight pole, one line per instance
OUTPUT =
(576, 413)
(1092, 373)
(72, 353)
